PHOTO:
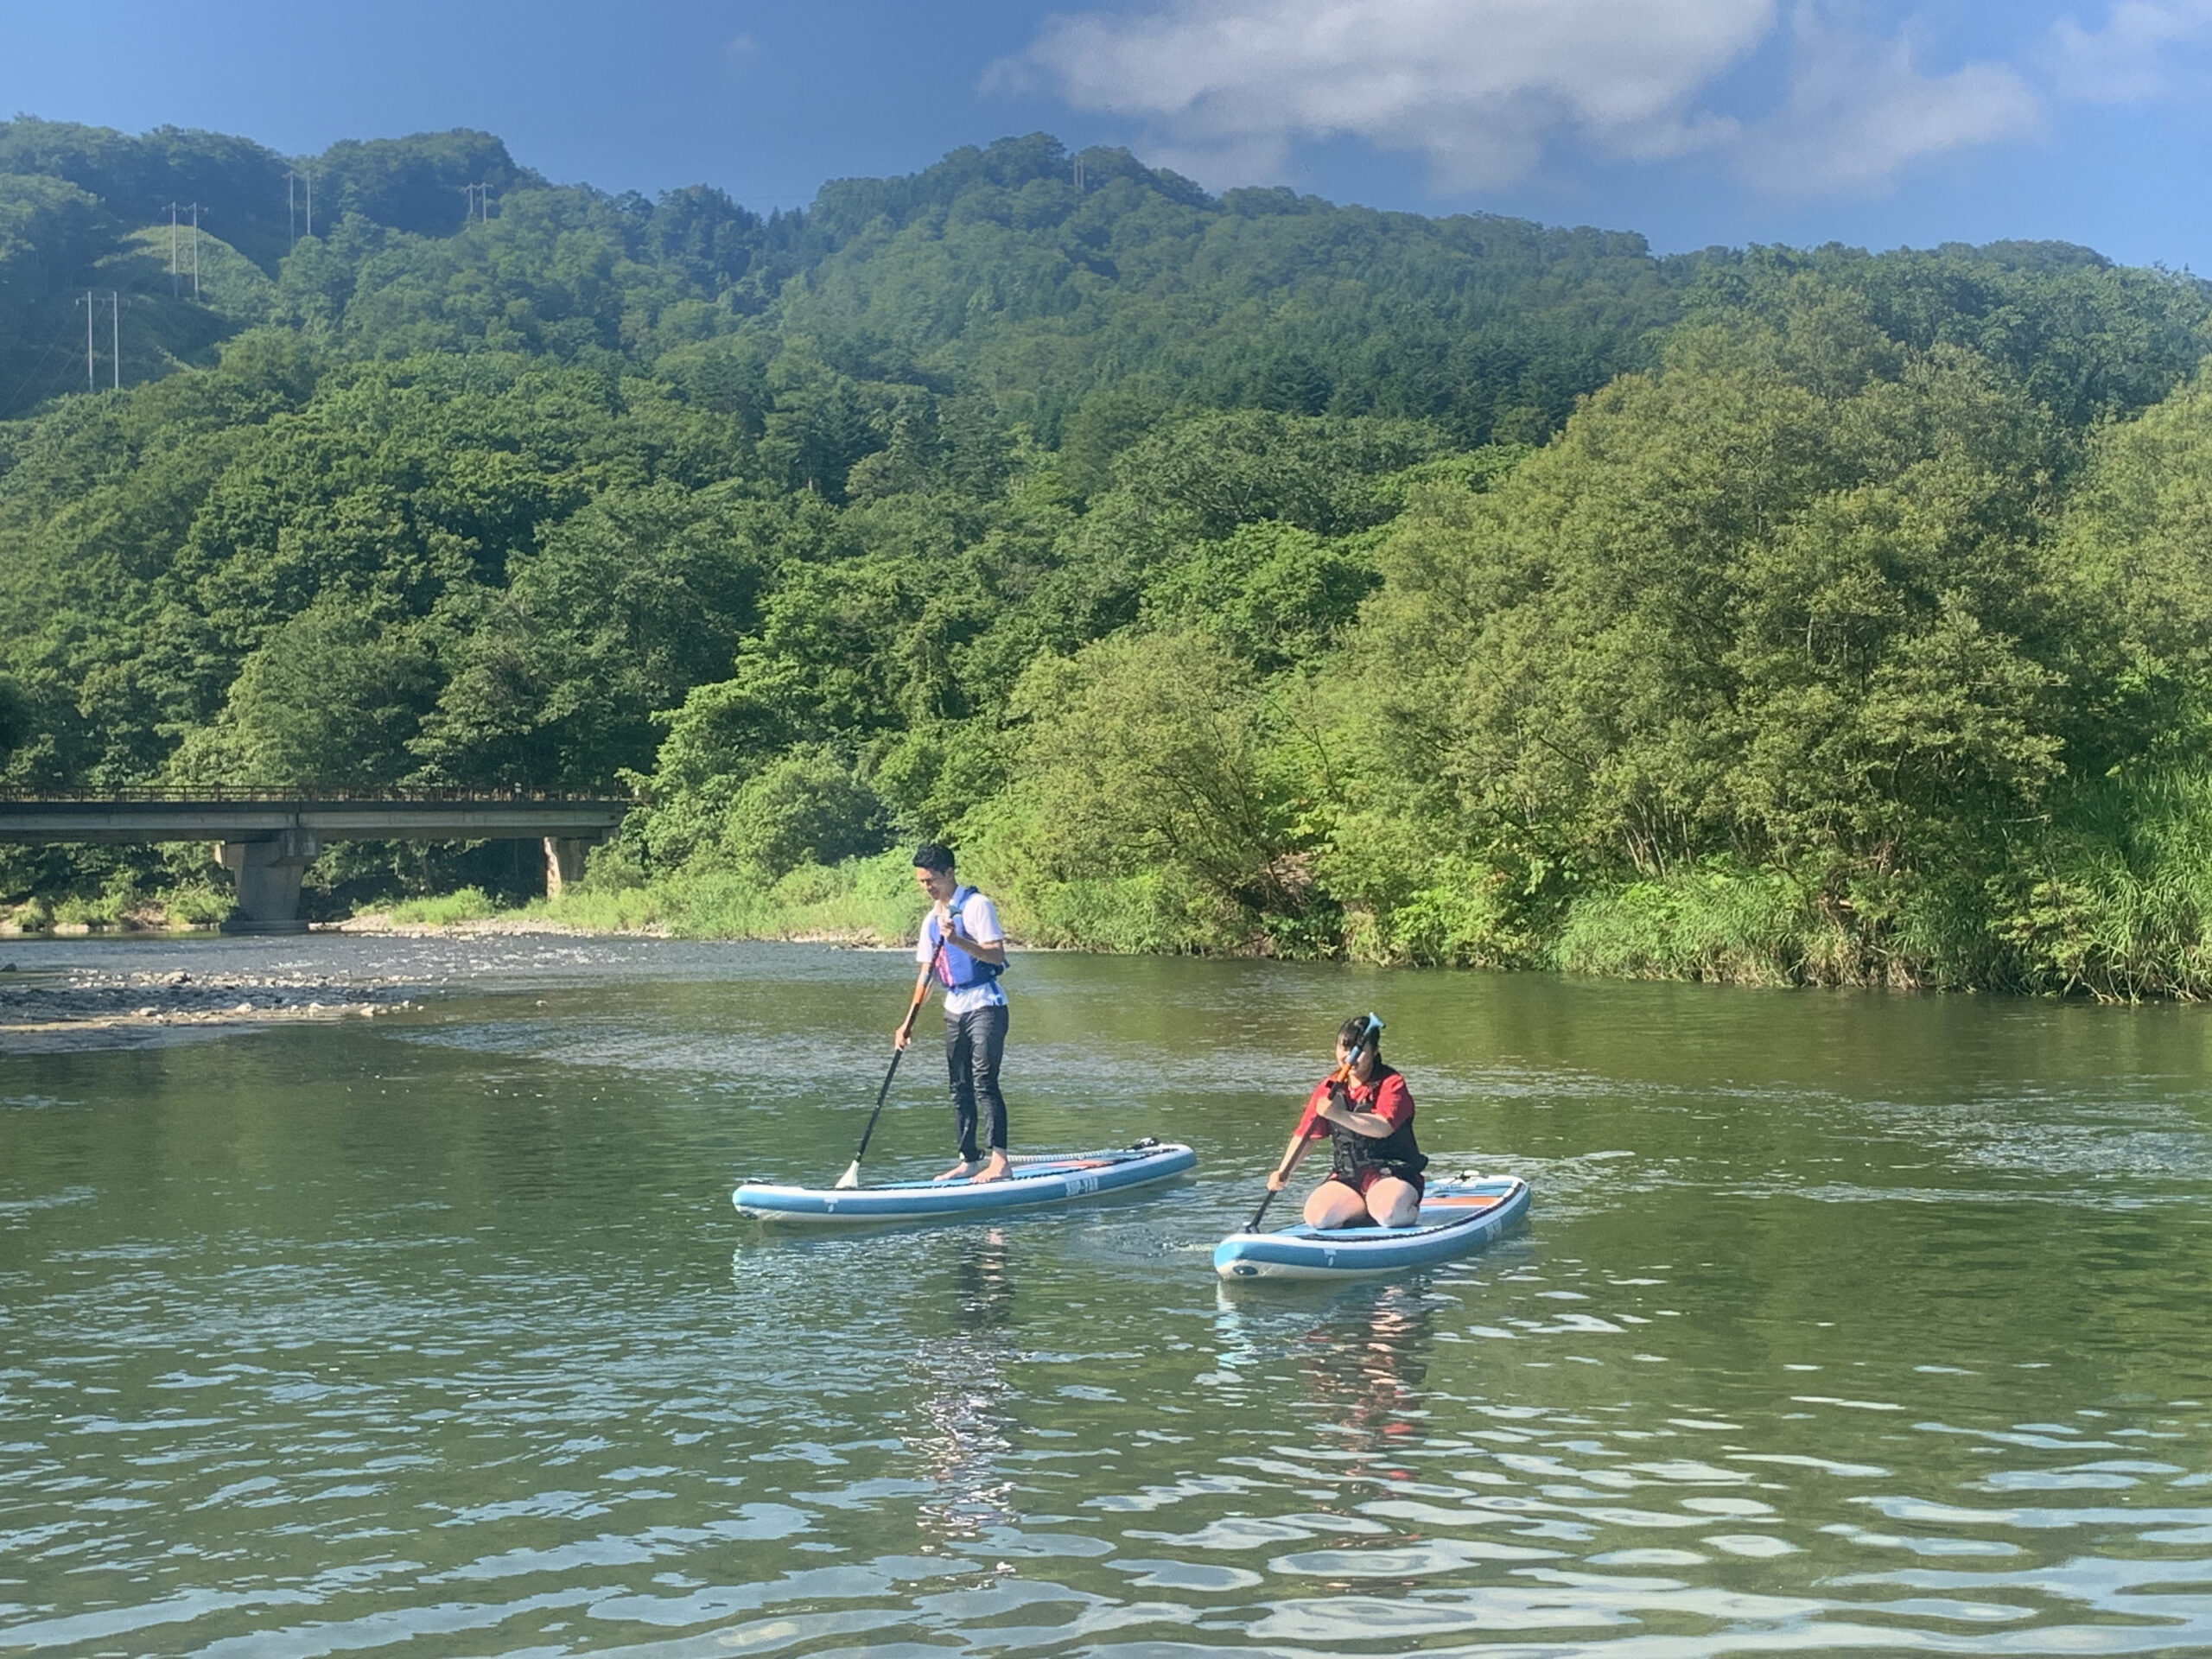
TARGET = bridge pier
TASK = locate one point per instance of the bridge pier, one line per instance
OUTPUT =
(268, 869)
(564, 860)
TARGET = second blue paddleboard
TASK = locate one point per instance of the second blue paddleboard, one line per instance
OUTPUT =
(1034, 1181)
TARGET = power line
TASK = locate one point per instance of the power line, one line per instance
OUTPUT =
(37, 370)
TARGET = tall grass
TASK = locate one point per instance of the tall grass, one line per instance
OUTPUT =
(2116, 899)
(444, 909)
(1745, 928)
(870, 900)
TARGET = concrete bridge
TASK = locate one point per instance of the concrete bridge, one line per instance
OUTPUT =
(267, 839)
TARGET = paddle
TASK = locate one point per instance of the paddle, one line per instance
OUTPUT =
(851, 1178)
(1342, 1074)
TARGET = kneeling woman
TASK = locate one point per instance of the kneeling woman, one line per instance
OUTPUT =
(1367, 1113)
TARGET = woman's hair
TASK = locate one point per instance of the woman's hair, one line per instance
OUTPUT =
(1364, 1032)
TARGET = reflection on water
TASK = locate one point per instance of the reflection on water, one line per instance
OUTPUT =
(964, 1398)
(1841, 1325)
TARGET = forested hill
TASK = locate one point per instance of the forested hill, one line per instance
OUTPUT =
(1223, 572)
(994, 271)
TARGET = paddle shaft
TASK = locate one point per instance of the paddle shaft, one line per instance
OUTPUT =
(897, 1053)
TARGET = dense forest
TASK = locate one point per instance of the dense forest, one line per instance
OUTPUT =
(1238, 573)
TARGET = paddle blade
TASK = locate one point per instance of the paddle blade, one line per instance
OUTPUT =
(851, 1177)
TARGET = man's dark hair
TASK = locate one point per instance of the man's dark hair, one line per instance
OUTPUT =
(935, 857)
(1364, 1032)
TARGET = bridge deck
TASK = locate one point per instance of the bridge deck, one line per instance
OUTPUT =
(244, 815)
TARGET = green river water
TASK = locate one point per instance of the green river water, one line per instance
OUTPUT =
(1842, 1323)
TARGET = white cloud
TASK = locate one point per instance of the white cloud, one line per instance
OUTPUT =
(1487, 89)
(1481, 86)
(1860, 112)
(2131, 58)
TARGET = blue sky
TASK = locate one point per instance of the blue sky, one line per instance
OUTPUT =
(1874, 122)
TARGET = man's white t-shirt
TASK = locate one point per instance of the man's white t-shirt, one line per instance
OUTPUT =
(979, 920)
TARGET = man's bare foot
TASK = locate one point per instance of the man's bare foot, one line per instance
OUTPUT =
(996, 1170)
(960, 1172)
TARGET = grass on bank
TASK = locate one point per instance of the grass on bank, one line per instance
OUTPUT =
(443, 910)
(869, 901)
(122, 908)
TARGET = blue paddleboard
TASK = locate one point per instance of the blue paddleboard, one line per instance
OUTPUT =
(1456, 1216)
(1051, 1179)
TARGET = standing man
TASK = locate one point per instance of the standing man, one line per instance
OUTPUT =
(961, 945)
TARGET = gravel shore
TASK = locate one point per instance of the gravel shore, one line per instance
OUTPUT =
(46, 1010)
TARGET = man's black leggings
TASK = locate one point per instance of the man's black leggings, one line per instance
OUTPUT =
(973, 1043)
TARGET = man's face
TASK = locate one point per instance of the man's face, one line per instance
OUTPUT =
(938, 884)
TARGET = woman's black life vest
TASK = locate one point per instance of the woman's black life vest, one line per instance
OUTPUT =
(1393, 1153)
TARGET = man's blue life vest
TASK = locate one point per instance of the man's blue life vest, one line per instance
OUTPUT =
(955, 966)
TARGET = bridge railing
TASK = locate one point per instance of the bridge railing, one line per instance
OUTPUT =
(230, 792)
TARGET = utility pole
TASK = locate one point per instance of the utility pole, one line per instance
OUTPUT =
(173, 284)
(295, 181)
(195, 249)
(90, 384)
(115, 336)
(1078, 175)
(477, 199)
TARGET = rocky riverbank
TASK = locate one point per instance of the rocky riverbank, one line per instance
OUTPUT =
(89, 1006)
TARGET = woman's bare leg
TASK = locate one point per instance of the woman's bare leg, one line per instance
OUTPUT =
(1334, 1204)
(1393, 1202)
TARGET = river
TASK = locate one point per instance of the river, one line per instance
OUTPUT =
(1842, 1323)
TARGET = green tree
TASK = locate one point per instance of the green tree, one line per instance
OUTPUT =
(1145, 753)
